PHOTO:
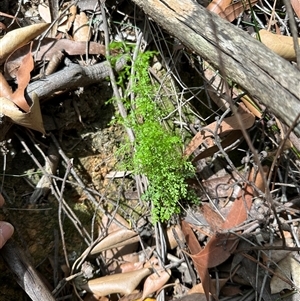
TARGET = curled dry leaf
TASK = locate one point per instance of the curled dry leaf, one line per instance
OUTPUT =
(32, 119)
(193, 297)
(44, 12)
(171, 241)
(129, 267)
(296, 7)
(23, 78)
(81, 29)
(19, 37)
(155, 282)
(235, 9)
(65, 25)
(288, 268)
(123, 283)
(218, 6)
(116, 239)
(46, 49)
(117, 223)
(282, 45)
(91, 297)
(230, 139)
(5, 88)
(228, 124)
(151, 262)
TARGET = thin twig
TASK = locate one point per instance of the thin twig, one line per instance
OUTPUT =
(120, 105)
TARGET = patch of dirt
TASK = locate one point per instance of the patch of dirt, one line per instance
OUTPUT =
(86, 137)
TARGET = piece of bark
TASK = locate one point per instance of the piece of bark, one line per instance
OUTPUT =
(24, 273)
(268, 78)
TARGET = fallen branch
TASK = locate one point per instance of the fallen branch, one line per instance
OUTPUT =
(71, 78)
(24, 272)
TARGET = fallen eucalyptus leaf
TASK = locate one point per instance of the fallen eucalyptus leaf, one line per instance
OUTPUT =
(227, 125)
(19, 37)
(32, 119)
(23, 78)
(81, 29)
(116, 239)
(171, 241)
(155, 282)
(5, 88)
(44, 12)
(123, 283)
(280, 44)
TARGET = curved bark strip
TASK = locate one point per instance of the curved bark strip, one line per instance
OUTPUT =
(268, 78)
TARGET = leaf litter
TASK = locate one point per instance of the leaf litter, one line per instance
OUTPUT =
(139, 260)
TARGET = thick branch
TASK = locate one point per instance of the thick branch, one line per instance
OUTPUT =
(71, 78)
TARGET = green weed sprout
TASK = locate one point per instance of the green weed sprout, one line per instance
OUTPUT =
(157, 152)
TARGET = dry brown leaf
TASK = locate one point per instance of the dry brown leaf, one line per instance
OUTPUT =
(55, 62)
(251, 106)
(214, 220)
(190, 238)
(151, 262)
(155, 282)
(23, 78)
(218, 6)
(47, 49)
(282, 45)
(19, 37)
(170, 239)
(66, 23)
(116, 239)
(217, 250)
(221, 245)
(235, 9)
(114, 225)
(287, 267)
(228, 140)
(278, 255)
(123, 283)
(296, 6)
(195, 248)
(5, 88)
(129, 267)
(126, 252)
(81, 28)
(198, 288)
(32, 119)
(228, 124)
(44, 12)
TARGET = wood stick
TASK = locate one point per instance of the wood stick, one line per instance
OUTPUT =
(24, 272)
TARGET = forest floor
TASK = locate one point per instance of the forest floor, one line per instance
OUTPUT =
(76, 188)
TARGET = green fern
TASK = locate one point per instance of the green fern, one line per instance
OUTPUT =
(157, 151)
